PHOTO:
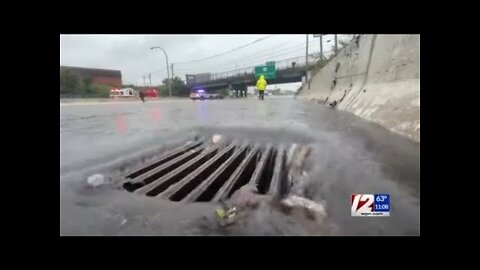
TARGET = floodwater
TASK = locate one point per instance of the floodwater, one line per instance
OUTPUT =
(350, 155)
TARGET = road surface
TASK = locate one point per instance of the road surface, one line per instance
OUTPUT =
(350, 155)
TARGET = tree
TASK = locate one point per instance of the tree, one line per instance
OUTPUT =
(99, 90)
(163, 90)
(70, 82)
(87, 80)
(88, 85)
(225, 92)
(178, 87)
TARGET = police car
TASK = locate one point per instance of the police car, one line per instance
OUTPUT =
(199, 95)
(202, 94)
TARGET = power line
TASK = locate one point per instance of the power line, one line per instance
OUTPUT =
(220, 54)
(139, 75)
(267, 56)
(255, 56)
(257, 61)
(241, 60)
(279, 60)
(275, 54)
(158, 71)
(313, 41)
(251, 66)
(264, 54)
(260, 61)
(259, 56)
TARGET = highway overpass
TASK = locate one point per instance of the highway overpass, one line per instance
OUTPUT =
(288, 71)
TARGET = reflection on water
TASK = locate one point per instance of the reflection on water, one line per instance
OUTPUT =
(121, 124)
(156, 114)
(202, 114)
(260, 109)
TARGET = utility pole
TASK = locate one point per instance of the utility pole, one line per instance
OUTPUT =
(321, 47)
(306, 61)
(321, 44)
(150, 78)
(336, 46)
(172, 70)
(143, 80)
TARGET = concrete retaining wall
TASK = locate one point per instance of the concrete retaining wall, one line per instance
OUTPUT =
(377, 79)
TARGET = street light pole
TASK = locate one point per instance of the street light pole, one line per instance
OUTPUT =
(168, 70)
(306, 61)
(321, 47)
(336, 46)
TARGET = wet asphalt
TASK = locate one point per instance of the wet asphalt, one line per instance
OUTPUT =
(350, 155)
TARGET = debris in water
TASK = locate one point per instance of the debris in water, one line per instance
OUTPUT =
(333, 104)
(216, 138)
(220, 212)
(247, 196)
(226, 217)
(96, 180)
(315, 210)
(239, 205)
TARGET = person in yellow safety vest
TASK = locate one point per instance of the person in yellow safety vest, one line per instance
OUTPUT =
(261, 86)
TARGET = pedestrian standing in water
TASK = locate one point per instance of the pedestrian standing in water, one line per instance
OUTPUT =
(142, 95)
(261, 86)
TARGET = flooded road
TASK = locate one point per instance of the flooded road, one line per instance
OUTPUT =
(350, 155)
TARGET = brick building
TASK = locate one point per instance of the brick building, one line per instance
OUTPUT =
(109, 77)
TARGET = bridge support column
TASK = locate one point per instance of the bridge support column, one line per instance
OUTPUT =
(244, 90)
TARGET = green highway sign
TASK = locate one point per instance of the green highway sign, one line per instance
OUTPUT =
(269, 71)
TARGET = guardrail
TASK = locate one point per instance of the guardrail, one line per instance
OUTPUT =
(283, 64)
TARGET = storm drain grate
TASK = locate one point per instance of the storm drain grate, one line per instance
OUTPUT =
(202, 171)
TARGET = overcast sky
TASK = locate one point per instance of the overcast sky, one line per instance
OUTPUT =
(132, 55)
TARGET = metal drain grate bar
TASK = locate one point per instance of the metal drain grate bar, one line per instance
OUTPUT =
(255, 180)
(295, 166)
(291, 151)
(216, 179)
(165, 158)
(278, 171)
(175, 191)
(202, 171)
(163, 182)
(227, 187)
(149, 177)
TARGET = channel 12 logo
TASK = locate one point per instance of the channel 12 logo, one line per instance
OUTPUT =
(370, 205)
